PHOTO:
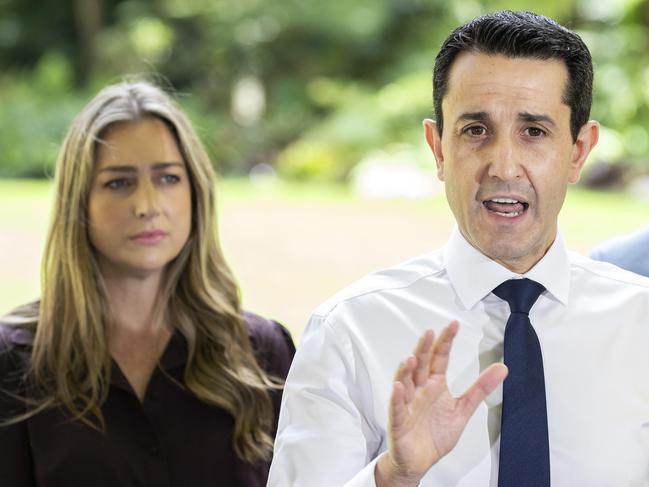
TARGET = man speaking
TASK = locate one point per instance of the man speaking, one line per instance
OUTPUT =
(501, 359)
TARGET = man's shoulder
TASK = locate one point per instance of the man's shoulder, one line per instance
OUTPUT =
(608, 274)
(398, 278)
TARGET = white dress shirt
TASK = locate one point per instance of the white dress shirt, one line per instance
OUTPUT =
(593, 327)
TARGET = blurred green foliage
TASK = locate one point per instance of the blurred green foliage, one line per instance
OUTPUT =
(310, 87)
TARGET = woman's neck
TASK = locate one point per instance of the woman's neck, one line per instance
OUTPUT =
(133, 303)
(138, 331)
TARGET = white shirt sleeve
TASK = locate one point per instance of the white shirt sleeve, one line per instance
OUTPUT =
(324, 437)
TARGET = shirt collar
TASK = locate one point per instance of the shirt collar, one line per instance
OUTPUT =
(473, 275)
(174, 356)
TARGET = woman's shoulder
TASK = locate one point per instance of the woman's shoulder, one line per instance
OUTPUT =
(12, 336)
(15, 348)
(271, 342)
(17, 336)
(15, 359)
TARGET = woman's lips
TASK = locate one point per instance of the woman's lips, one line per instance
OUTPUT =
(149, 238)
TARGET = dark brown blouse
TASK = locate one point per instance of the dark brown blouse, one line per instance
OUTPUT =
(171, 439)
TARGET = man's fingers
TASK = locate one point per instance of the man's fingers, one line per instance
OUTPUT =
(398, 408)
(484, 385)
(423, 352)
(402, 370)
(404, 375)
(442, 349)
(424, 342)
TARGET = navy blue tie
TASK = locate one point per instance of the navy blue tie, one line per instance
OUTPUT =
(524, 451)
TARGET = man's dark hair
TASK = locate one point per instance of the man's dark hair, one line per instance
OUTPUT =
(524, 35)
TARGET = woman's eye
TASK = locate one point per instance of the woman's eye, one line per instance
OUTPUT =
(117, 184)
(170, 179)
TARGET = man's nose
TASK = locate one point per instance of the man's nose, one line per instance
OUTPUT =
(504, 159)
(145, 201)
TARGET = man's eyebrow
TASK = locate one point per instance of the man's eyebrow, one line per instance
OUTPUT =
(535, 117)
(125, 168)
(474, 117)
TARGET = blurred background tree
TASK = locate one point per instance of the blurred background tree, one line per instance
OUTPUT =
(308, 88)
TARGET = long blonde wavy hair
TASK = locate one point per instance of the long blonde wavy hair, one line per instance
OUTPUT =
(70, 359)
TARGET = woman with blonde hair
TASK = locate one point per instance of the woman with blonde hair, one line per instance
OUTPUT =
(137, 367)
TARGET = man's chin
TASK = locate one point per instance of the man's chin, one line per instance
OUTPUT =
(507, 247)
(516, 256)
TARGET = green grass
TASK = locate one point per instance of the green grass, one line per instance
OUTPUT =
(589, 217)
(243, 189)
(21, 200)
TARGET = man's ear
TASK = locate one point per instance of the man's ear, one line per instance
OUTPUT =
(586, 140)
(435, 143)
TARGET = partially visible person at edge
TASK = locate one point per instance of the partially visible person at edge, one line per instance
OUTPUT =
(570, 405)
(630, 252)
(137, 367)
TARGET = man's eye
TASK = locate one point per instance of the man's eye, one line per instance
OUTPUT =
(170, 179)
(475, 131)
(118, 184)
(535, 132)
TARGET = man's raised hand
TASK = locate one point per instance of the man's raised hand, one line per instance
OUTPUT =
(425, 420)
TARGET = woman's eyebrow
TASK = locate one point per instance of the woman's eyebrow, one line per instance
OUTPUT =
(158, 166)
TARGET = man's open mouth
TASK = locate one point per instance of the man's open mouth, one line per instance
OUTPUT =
(506, 207)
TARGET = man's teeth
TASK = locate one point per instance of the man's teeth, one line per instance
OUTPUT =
(508, 215)
(500, 206)
(503, 200)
